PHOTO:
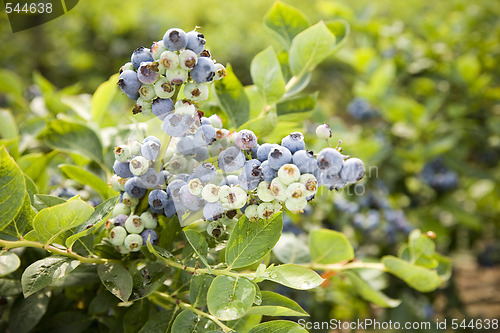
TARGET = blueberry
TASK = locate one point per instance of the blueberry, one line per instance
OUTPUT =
(133, 189)
(205, 121)
(361, 109)
(213, 211)
(253, 151)
(175, 39)
(150, 150)
(279, 156)
(169, 209)
(151, 234)
(190, 201)
(129, 83)
(330, 159)
(263, 151)
(120, 220)
(177, 76)
(122, 153)
(147, 92)
(151, 138)
(187, 59)
(207, 133)
(173, 125)
(174, 187)
(133, 242)
(220, 71)
(196, 91)
(126, 67)
(149, 179)
(330, 179)
(205, 172)
(117, 235)
(148, 72)
(231, 159)
(164, 89)
(204, 70)
(140, 55)
(353, 170)
(268, 173)
(294, 142)
(230, 180)
(157, 49)
(245, 139)
(324, 132)
(251, 175)
(195, 42)
(305, 161)
(122, 169)
(186, 145)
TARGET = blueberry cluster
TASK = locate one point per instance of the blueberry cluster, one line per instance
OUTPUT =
(439, 176)
(201, 171)
(361, 109)
(152, 75)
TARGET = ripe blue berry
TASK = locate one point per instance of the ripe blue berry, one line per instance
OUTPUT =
(305, 161)
(173, 125)
(120, 220)
(201, 154)
(192, 202)
(294, 142)
(205, 172)
(330, 159)
(158, 199)
(133, 188)
(150, 150)
(204, 71)
(122, 169)
(141, 55)
(330, 179)
(169, 209)
(231, 159)
(175, 39)
(128, 82)
(151, 234)
(353, 170)
(213, 211)
(162, 107)
(251, 175)
(186, 145)
(207, 133)
(279, 156)
(267, 172)
(195, 42)
(148, 72)
(230, 180)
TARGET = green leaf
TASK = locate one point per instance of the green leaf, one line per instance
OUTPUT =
(422, 250)
(263, 124)
(311, 47)
(44, 201)
(199, 244)
(10, 287)
(245, 324)
(10, 82)
(30, 188)
(340, 29)
(43, 273)
(12, 188)
(230, 298)
(74, 138)
(199, 289)
(9, 262)
(444, 266)
(291, 250)
(103, 302)
(136, 316)
(95, 221)
(188, 321)
(293, 276)
(87, 178)
(159, 323)
(285, 22)
(35, 166)
(102, 97)
(22, 220)
(368, 293)
(50, 223)
(297, 104)
(116, 279)
(231, 97)
(8, 126)
(267, 76)
(274, 304)
(147, 278)
(250, 241)
(329, 247)
(278, 326)
(27, 312)
(420, 278)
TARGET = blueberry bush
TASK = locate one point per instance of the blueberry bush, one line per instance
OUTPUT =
(206, 205)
